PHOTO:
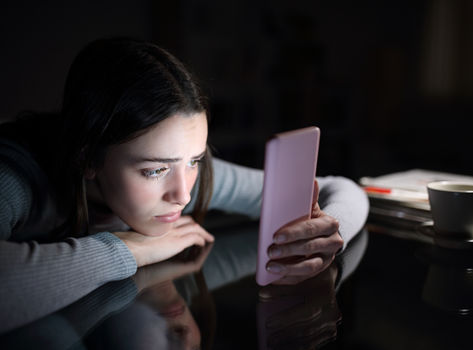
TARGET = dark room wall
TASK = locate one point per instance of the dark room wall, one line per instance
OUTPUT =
(39, 40)
(388, 82)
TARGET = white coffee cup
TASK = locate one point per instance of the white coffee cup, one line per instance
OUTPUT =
(451, 205)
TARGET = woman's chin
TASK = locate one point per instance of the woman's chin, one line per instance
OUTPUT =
(156, 230)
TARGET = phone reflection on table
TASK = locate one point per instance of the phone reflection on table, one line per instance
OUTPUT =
(303, 316)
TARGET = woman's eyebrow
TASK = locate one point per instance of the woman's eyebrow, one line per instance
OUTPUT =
(199, 155)
(164, 160)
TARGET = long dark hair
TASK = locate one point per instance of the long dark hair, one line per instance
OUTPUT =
(115, 91)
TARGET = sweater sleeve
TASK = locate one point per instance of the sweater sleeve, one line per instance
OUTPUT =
(238, 189)
(15, 199)
(344, 200)
(37, 279)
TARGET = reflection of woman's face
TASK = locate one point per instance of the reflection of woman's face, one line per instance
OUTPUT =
(183, 328)
(147, 181)
(169, 304)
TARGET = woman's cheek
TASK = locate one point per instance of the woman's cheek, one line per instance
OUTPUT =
(143, 194)
(191, 179)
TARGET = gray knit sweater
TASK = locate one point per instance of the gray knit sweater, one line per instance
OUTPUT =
(53, 275)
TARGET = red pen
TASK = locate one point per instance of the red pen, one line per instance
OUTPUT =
(396, 192)
(377, 190)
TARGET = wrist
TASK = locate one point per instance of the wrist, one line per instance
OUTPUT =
(133, 248)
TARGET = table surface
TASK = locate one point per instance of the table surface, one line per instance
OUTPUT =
(383, 292)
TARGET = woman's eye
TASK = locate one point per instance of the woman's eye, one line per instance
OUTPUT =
(155, 173)
(194, 162)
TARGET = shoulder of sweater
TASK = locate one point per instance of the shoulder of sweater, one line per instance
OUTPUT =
(16, 198)
(30, 210)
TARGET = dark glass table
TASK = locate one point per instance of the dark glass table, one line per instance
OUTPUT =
(383, 292)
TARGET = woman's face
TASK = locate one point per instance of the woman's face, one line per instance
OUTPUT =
(147, 181)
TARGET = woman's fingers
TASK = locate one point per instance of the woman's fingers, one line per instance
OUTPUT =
(321, 226)
(184, 220)
(312, 245)
(186, 225)
(315, 196)
(330, 244)
(190, 227)
(316, 211)
(307, 267)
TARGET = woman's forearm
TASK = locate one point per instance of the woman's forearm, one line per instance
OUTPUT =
(38, 279)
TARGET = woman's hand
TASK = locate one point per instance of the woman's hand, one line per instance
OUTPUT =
(149, 250)
(305, 248)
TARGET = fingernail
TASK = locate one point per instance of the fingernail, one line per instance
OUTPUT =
(275, 252)
(275, 268)
(280, 238)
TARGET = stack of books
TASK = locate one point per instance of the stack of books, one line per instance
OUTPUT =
(399, 202)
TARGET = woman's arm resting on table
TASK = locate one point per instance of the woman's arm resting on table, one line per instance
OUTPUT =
(37, 279)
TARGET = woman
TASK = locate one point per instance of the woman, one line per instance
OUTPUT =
(92, 193)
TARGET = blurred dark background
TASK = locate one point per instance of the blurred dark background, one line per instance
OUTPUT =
(390, 83)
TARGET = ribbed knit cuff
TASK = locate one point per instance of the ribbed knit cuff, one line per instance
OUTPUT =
(125, 255)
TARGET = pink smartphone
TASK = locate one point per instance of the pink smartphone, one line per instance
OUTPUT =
(289, 173)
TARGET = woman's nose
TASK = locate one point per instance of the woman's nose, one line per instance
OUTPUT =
(178, 191)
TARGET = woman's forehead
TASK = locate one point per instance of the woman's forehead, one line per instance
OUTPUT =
(177, 134)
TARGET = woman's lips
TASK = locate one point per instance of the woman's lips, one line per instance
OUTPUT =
(169, 217)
